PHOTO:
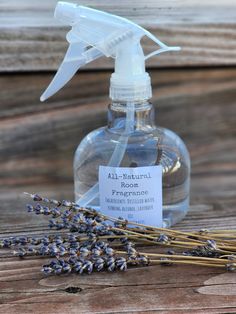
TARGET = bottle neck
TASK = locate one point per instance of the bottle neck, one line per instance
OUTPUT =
(131, 116)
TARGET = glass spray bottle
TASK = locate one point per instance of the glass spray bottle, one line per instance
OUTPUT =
(131, 167)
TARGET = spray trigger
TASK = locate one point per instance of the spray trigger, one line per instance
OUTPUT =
(67, 69)
(94, 34)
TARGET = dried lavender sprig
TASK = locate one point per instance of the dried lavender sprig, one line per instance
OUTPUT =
(89, 247)
(88, 265)
(29, 240)
(111, 263)
(39, 198)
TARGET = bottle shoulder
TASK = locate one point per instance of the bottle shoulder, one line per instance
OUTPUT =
(155, 131)
(94, 135)
(170, 135)
(159, 146)
(158, 136)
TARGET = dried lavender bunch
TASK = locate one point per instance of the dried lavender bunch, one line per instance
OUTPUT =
(68, 215)
(98, 242)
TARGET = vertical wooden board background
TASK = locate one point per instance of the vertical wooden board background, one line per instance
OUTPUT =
(30, 39)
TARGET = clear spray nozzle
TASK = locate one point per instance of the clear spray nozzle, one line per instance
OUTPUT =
(95, 34)
(66, 12)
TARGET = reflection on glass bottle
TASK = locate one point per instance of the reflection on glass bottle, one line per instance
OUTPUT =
(147, 145)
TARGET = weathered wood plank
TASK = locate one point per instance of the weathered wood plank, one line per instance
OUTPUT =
(31, 40)
(160, 289)
(29, 12)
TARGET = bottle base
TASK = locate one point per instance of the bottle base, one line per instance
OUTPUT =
(173, 214)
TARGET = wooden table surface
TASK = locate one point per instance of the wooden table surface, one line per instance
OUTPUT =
(194, 94)
(175, 289)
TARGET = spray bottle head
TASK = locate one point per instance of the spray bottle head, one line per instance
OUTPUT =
(95, 34)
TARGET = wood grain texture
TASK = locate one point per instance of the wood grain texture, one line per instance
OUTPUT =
(174, 290)
(223, 284)
(30, 39)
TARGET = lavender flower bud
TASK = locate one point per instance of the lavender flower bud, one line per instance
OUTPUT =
(58, 240)
(46, 211)
(203, 231)
(52, 223)
(232, 257)
(163, 238)
(101, 245)
(230, 266)
(87, 265)
(124, 241)
(84, 251)
(47, 270)
(109, 251)
(98, 219)
(23, 240)
(43, 250)
(111, 263)
(55, 212)
(72, 252)
(53, 250)
(38, 209)
(143, 260)
(66, 213)
(121, 223)
(45, 240)
(30, 208)
(96, 252)
(121, 263)
(32, 250)
(36, 197)
(57, 269)
(66, 268)
(67, 203)
(211, 245)
(54, 202)
(21, 252)
(99, 264)
(62, 250)
(78, 266)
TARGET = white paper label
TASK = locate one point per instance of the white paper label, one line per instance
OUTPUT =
(132, 193)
